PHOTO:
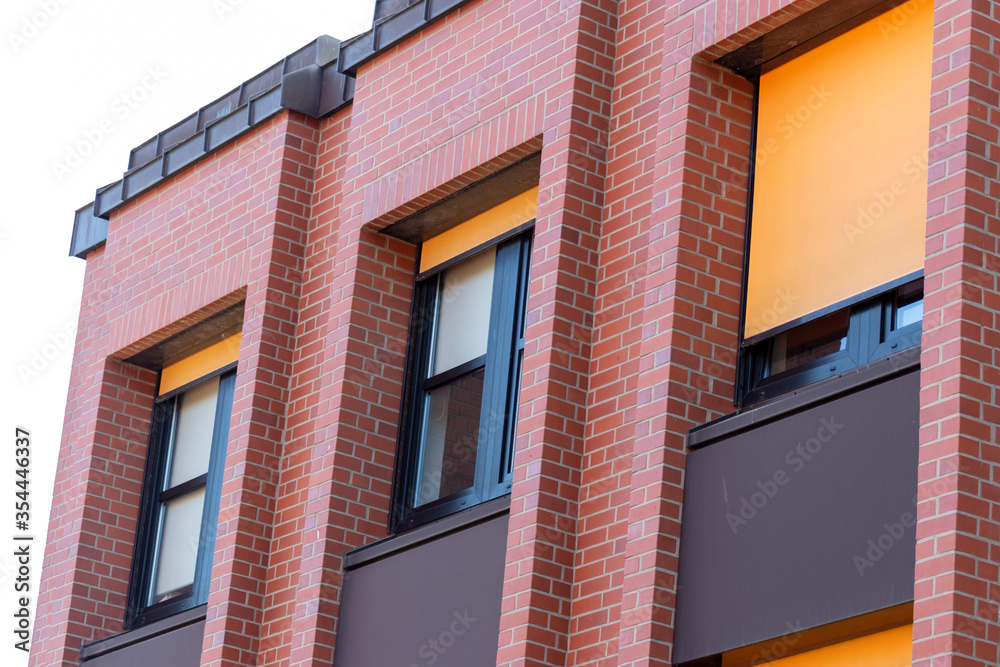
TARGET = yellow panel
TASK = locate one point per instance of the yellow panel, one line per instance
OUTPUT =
(479, 230)
(200, 363)
(892, 648)
(840, 187)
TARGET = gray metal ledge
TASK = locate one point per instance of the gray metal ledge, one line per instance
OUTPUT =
(390, 30)
(316, 80)
(850, 381)
(100, 647)
(88, 232)
(315, 87)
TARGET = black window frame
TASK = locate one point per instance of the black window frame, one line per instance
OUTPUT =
(502, 363)
(138, 613)
(871, 335)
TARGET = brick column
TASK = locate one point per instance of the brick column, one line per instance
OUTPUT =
(534, 625)
(691, 310)
(617, 336)
(98, 486)
(351, 462)
(246, 510)
(957, 591)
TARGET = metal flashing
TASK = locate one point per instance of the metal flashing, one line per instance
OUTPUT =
(390, 29)
(213, 126)
(89, 232)
(317, 91)
(468, 202)
(386, 8)
(316, 80)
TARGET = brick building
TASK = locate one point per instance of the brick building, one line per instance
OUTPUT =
(550, 333)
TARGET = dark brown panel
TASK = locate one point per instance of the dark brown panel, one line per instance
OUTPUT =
(176, 647)
(437, 603)
(803, 521)
(468, 202)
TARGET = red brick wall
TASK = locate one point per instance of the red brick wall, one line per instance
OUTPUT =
(537, 597)
(630, 341)
(958, 556)
(470, 95)
(337, 469)
(92, 528)
(692, 297)
(228, 228)
(246, 510)
(617, 333)
(309, 383)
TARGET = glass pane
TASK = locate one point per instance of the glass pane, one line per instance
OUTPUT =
(909, 313)
(909, 305)
(508, 445)
(811, 341)
(463, 322)
(451, 436)
(177, 548)
(193, 428)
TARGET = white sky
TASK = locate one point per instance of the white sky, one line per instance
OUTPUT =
(64, 67)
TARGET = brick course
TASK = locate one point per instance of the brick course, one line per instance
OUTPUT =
(632, 325)
(958, 558)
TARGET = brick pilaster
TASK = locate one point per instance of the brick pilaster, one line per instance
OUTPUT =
(98, 487)
(958, 556)
(250, 479)
(541, 553)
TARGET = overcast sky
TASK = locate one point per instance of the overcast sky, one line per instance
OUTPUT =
(84, 83)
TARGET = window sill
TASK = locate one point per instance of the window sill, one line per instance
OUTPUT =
(426, 533)
(128, 638)
(849, 381)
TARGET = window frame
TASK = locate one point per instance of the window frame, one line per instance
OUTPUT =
(870, 336)
(502, 364)
(159, 452)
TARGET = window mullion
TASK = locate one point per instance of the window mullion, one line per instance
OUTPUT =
(182, 488)
(453, 373)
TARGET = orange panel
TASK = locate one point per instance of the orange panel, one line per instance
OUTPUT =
(840, 188)
(479, 230)
(200, 363)
(892, 648)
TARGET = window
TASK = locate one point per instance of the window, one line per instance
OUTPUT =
(182, 486)
(466, 348)
(832, 344)
(839, 197)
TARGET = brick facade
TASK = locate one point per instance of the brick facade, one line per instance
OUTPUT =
(958, 557)
(631, 337)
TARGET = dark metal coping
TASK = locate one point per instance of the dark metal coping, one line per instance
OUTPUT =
(386, 8)
(410, 17)
(316, 80)
(423, 534)
(307, 81)
(130, 637)
(849, 381)
(89, 232)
